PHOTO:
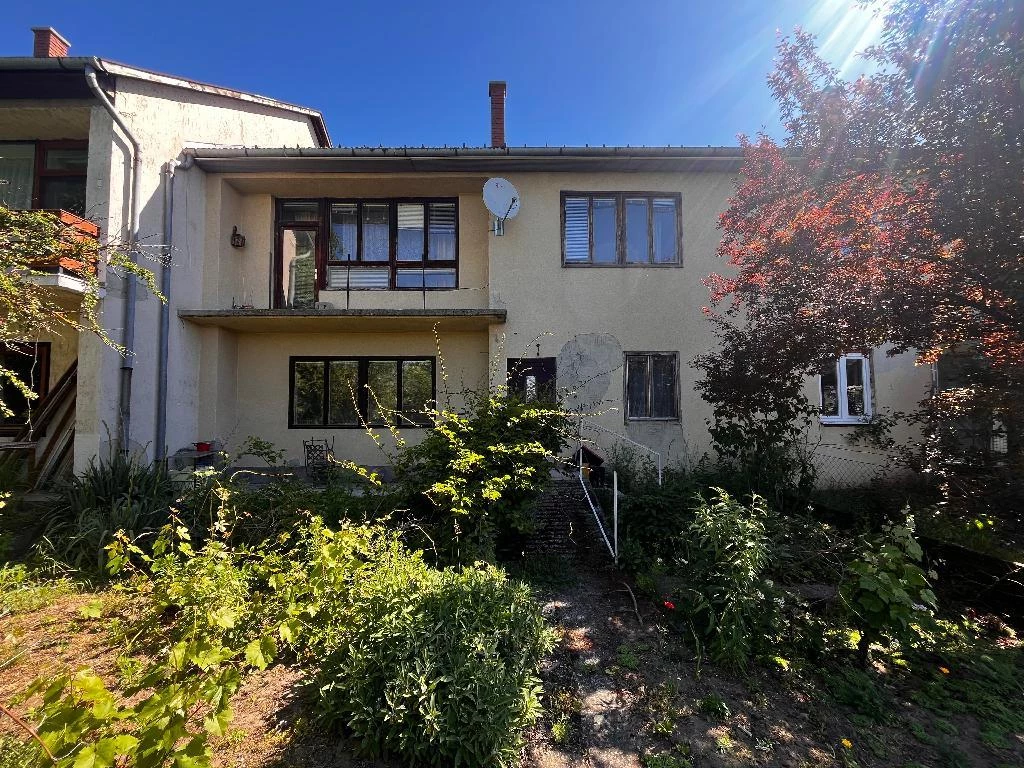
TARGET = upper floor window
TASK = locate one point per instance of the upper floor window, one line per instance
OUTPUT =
(372, 244)
(846, 390)
(44, 174)
(651, 388)
(621, 229)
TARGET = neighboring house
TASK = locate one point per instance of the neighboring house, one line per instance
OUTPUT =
(306, 277)
(94, 138)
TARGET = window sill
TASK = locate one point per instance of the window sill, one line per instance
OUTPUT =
(843, 421)
(643, 419)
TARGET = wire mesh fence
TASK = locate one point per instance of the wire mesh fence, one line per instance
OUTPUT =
(842, 466)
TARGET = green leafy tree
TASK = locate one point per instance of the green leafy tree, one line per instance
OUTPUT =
(30, 242)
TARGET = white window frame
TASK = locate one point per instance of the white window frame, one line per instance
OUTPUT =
(844, 417)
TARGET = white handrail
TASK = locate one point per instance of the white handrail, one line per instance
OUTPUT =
(631, 441)
(593, 509)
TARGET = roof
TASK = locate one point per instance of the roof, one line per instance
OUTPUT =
(462, 159)
(113, 68)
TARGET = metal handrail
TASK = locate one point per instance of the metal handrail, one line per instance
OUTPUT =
(593, 509)
(631, 441)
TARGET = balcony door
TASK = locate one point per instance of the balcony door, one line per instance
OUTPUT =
(298, 268)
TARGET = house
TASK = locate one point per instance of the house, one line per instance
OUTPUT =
(314, 288)
(97, 139)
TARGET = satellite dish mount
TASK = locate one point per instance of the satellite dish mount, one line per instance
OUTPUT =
(502, 200)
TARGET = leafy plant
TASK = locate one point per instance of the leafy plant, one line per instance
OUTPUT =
(727, 601)
(122, 494)
(437, 667)
(474, 477)
(886, 590)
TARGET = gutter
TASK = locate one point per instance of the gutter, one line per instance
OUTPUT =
(131, 287)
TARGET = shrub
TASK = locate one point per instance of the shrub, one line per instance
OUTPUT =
(727, 600)
(436, 667)
(474, 478)
(653, 518)
(886, 590)
(123, 494)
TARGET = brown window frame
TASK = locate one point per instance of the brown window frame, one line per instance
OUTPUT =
(42, 172)
(323, 227)
(625, 386)
(620, 229)
(362, 394)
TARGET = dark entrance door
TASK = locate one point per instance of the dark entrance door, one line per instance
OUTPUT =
(533, 378)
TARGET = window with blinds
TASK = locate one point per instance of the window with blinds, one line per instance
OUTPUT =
(621, 229)
(380, 244)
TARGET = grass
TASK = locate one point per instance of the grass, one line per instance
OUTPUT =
(15, 753)
(22, 591)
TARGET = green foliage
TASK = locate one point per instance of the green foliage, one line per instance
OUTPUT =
(23, 590)
(31, 241)
(726, 599)
(15, 753)
(437, 667)
(858, 690)
(122, 494)
(886, 590)
(474, 477)
(713, 706)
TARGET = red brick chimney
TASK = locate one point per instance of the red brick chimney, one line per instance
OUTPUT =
(49, 43)
(497, 89)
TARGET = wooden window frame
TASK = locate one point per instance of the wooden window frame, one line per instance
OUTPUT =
(620, 229)
(843, 418)
(362, 394)
(42, 172)
(393, 264)
(625, 386)
(44, 352)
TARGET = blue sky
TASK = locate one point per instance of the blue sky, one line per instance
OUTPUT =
(410, 73)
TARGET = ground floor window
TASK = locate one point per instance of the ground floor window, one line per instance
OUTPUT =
(348, 391)
(846, 390)
(651, 389)
(29, 363)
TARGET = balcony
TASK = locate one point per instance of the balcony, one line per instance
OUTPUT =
(352, 320)
(64, 270)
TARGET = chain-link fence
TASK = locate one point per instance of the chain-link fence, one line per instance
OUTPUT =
(844, 466)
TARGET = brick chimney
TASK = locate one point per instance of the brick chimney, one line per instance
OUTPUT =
(497, 89)
(49, 43)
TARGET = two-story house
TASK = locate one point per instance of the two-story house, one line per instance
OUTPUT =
(312, 290)
(96, 139)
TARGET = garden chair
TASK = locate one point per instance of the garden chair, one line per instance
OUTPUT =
(319, 454)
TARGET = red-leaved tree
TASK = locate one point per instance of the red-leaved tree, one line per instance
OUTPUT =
(892, 214)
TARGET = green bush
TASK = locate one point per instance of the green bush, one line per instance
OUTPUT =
(730, 605)
(886, 591)
(123, 494)
(652, 520)
(435, 667)
(474, 478)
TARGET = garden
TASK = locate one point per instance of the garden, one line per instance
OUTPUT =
(754, 617)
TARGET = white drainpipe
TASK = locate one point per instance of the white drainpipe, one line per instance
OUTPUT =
(128, 338)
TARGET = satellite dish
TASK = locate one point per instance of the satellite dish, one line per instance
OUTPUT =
(502, 200)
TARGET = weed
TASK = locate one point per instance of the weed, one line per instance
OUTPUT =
(15, 753)
(714, 706)
(561, 730)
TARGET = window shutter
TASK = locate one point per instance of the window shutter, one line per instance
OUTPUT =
(577, 229)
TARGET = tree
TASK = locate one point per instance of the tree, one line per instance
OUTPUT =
(31, 241)
(893, 213)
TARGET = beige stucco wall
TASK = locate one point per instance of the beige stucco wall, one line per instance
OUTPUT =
(164, 119)
(247, 202)
(244, 386)
(587, 318)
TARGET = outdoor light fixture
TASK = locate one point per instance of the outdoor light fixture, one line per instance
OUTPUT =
(237, 240)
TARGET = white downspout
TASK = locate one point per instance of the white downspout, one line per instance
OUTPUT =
(131, 290)
(165, 307)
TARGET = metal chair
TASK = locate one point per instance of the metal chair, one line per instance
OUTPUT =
(319, 458)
